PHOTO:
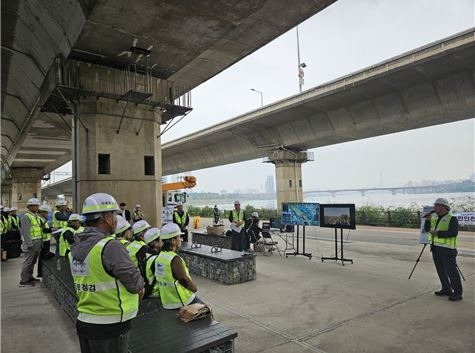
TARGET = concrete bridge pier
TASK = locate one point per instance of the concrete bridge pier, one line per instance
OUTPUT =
(119, 152)
(26, 183)
(288, 174)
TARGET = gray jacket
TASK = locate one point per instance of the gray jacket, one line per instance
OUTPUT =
(115, 258)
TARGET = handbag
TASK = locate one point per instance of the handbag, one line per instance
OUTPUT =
(194, 312)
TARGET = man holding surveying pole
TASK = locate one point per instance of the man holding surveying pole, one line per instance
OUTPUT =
(443, 231)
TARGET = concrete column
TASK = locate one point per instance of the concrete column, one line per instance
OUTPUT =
(6, 193)
(26, 183)
(113, 160)
(288, 174)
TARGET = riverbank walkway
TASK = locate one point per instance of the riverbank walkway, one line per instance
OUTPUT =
(297, 305)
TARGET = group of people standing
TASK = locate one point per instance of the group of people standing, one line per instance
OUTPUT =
(114, 263)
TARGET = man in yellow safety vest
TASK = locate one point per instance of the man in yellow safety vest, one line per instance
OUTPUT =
(32, 235)
(107, 282)
(443, 231)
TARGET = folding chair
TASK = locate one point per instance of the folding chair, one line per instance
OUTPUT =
(268, 242)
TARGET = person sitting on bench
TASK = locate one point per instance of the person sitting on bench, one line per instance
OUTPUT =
(176, 287)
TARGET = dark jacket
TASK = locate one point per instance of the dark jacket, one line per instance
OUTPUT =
(117, 263)
(453, 227)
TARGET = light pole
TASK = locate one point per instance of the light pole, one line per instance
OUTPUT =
(262, 96)
(300, 65)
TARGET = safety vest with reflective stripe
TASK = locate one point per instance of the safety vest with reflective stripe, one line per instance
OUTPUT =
(36, 232)
(133, 248)
(172, 294)
(57, 223)
(14, 221)
(6, 224)
(150, 271)
(64, 246)
(44, 225)
(443, 225)
(80, 230)
(180, 220)
(238, 216)
(102, 299)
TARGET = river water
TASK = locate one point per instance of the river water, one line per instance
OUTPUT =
(377, 198)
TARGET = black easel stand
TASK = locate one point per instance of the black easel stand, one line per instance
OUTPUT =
(417, 261)
(336, 258)
(297, 250)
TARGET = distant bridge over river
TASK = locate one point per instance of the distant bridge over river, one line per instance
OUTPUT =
(465, 186)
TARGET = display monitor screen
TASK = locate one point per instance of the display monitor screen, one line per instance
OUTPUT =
(304, 214)
(338, 216)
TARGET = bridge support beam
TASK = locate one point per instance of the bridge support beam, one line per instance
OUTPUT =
(124, 162)
(288, 174)
(26, 183)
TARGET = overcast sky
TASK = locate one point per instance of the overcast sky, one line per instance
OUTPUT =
(347, 36)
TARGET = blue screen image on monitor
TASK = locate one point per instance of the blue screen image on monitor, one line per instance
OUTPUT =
(303, 214)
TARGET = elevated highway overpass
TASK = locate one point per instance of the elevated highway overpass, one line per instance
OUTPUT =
(427, 86)
(430, 85)
(66, 63)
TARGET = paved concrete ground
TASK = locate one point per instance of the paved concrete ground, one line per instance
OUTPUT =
(296, 305)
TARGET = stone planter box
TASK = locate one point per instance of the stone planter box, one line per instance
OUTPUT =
(225, 266)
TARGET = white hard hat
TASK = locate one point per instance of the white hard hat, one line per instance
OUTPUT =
(98, 203)
(151, 234)
(179, 204)
(443, 202)
(237, 202)
(140, 226)
(122, 224)
(6, 209)
(33, 202)
(74, 217)
(169, 230)
(61, 202)
(255, 214)
(14, 208)
(137, 205)
(45, 208)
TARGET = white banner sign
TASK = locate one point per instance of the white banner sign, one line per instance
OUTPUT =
(465, 218)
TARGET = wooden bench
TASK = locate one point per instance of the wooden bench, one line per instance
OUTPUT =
(225, 266)
(201, 237)
(154, 329)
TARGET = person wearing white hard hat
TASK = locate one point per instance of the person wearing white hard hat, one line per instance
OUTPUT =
(32, 234)
(60, 219)
(138, 214)
(6, 220)
(237, 218)
(154, 243)
(45, 252)
(61, 214)
(67, 236)
(443, 231)
(138, 248)
(14, 219)
(254, 230)
(107, 282)
(176, 287)
(181, 218)
(123, 231)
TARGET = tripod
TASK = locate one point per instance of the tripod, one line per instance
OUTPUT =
(420, 255)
